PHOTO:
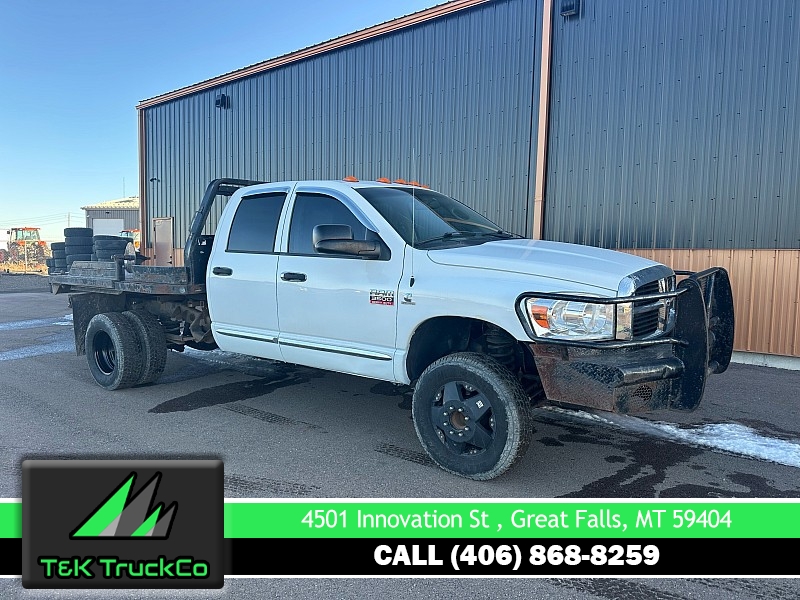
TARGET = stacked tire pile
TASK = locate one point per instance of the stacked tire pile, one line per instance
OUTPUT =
(77, 244)
(58, 262)
(106, 246)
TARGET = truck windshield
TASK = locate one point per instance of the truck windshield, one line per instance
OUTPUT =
(436, 219)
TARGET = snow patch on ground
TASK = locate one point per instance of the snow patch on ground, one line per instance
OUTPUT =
(729, 437)
(38, 350)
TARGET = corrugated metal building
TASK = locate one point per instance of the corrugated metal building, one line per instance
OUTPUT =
(113, 216)
(665, 128)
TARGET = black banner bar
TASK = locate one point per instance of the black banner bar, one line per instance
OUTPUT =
(591, 557)
(10, 556)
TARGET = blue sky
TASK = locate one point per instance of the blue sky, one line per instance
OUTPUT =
(71, 74)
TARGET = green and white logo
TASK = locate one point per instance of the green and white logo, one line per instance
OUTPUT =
(123, 516)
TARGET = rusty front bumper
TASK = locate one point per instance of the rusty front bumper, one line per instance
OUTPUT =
(644, 375)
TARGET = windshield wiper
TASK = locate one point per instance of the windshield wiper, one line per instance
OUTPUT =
(447, 236)
(501, 233)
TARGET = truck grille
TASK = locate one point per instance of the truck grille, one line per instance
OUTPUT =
(649, 315)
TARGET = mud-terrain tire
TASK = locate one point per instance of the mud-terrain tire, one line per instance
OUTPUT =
(77, 241)
(110, 244)
(71, 258)
(76, 232)
(113, 351)
(475, 396)
(78, 249)
(152, 341)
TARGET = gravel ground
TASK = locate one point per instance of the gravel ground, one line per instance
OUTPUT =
(17, 282)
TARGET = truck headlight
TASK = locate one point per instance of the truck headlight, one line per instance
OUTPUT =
(570, 320)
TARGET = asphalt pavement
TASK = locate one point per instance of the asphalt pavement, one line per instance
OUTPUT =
(289, 431)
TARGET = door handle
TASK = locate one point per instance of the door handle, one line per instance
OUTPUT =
(293, 276)
(222, 271)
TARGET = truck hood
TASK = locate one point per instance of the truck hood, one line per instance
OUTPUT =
(582, 265)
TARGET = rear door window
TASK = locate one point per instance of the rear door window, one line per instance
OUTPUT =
(256, 223)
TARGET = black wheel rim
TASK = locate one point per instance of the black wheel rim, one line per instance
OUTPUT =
(105, 356)
(463, 419)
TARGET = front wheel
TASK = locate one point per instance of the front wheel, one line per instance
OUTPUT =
(472, 416)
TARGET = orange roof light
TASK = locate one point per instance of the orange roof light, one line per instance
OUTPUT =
(350, 178)
(383, 180)
(416, 183)
(400, 181)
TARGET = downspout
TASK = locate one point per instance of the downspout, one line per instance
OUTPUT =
(537, 227)
(143, 229)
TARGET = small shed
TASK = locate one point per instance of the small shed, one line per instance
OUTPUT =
(113, 216)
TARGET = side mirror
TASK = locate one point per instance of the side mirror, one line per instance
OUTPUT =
(338, 239)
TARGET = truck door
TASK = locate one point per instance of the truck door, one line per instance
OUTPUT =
(335, 312)
(241, 275)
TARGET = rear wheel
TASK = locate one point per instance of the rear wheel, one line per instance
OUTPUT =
(472, 416)
(113, 351)
(152, 341)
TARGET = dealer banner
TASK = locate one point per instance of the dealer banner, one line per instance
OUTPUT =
(523, 537)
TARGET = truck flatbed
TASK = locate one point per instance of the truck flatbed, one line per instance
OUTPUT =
(118, 278)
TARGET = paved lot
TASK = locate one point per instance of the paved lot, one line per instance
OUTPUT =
(288, 431)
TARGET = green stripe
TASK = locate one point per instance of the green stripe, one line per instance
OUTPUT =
(751, 519)
(510, 520)
(10, 520)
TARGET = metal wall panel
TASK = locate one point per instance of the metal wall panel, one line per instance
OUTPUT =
(675, 124)
(766, 288)
(129, 216)
(448, 102)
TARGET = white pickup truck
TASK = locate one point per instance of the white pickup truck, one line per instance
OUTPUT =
(397, 282)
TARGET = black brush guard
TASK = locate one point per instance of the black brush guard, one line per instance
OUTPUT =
(626, 376)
